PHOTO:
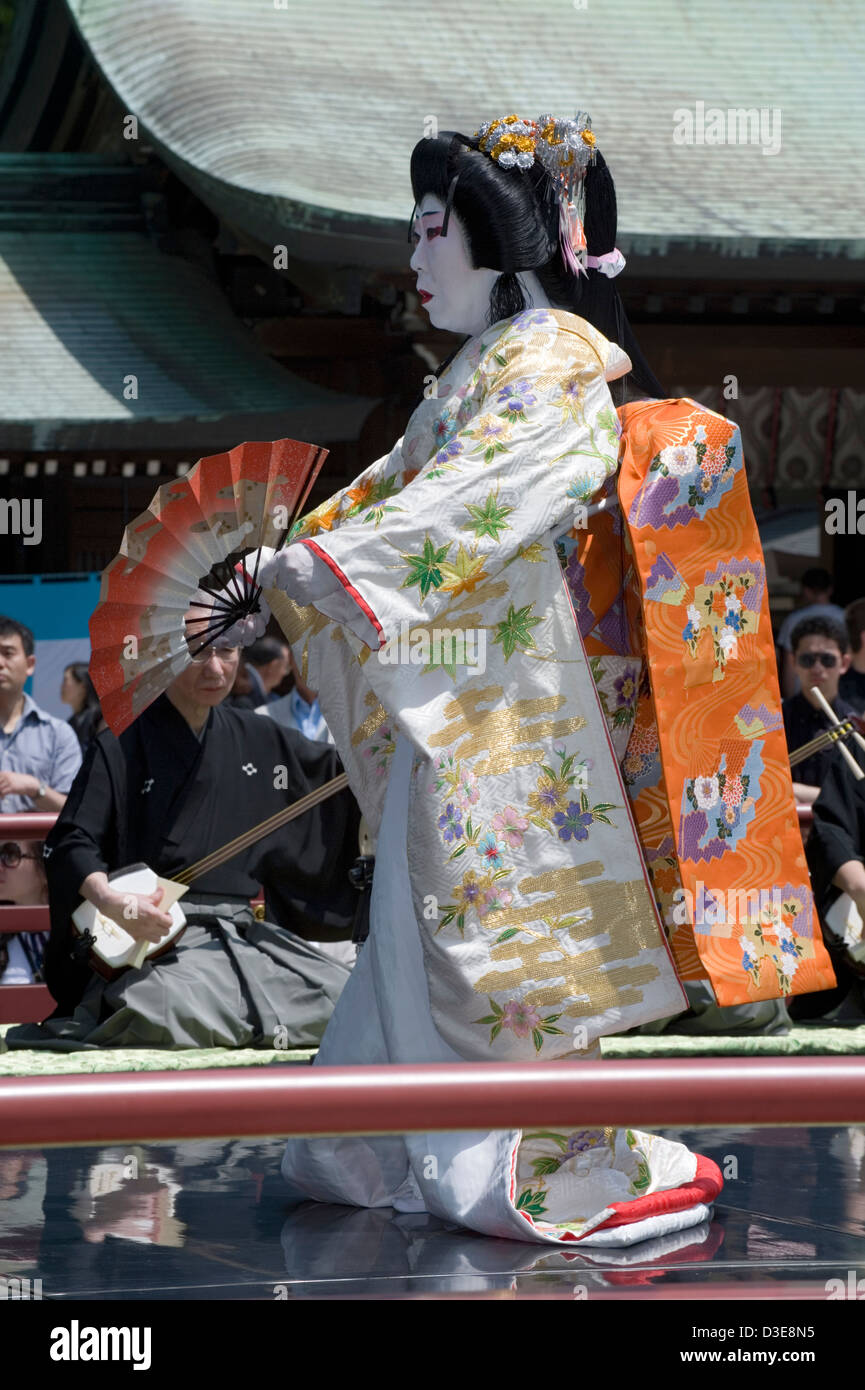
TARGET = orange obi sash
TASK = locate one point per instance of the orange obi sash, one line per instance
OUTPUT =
(674, 579)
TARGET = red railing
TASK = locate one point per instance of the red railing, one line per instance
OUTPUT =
(26, 825)
(690, 1093)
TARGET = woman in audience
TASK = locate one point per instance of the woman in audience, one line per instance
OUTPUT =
(76, 689)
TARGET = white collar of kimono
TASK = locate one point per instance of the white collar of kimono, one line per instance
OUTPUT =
(618, 363)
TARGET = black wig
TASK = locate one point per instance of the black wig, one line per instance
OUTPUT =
(511, 221)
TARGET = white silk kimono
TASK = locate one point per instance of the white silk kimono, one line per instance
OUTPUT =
(511, 917)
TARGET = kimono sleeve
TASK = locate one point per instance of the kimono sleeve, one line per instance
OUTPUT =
(304, 867)
(345, 504)
(543, 438)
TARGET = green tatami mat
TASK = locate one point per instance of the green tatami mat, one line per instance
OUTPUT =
(25, 1062)
(800, 1041)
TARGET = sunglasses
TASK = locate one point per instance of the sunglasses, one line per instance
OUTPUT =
(809, 659)
(12, 854)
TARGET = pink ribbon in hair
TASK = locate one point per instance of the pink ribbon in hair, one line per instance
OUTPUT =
(610, 264)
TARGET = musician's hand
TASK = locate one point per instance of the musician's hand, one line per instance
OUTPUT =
(805, 794)
(859, 900)
(137, 913)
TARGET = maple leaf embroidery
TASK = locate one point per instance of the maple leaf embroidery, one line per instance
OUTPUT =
(463, 574)
(425, 569)
(488, 520)
(515, 631)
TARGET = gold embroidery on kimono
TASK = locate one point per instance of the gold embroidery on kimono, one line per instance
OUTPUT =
(518, 816)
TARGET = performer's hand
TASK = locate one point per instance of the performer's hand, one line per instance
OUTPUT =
(137, 913)
(276, 570)
(246, 630)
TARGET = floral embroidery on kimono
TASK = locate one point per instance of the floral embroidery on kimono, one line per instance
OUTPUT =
(539, 927)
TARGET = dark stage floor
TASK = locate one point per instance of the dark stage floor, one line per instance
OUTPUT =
(209, 1220)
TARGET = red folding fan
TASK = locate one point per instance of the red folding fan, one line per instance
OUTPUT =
(192, 537)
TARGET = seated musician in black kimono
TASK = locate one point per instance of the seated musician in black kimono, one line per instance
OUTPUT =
(184, 779)
(835, 850)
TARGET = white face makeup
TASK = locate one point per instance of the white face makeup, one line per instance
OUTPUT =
(459, 293)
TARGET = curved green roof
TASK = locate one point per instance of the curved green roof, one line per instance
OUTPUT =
(298, 118)
(109, 343)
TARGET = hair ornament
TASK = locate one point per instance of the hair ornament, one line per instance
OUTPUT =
(565, 148)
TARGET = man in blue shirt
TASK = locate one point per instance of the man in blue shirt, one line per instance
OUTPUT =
(299, 709)
(39, 755)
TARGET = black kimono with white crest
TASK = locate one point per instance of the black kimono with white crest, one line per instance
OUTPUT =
(162, 796)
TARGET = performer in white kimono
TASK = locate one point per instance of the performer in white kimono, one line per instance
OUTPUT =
(511, 917)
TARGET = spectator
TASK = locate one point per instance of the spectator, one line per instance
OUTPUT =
(39, 755)
(816, 593)
(820, 657)
(299, 709)
(267, 666)
(76, 689)
(242, 694)
(851, 687)
(22, 882)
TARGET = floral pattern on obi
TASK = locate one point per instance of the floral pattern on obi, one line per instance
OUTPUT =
(610, 627)
(689, 478)
(663, 869)
(641, 766)
(727, 604)
(777, 932)
(719, 805)
(721, 611)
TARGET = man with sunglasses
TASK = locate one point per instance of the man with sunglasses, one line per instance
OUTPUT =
(22, 882)
(820, 657)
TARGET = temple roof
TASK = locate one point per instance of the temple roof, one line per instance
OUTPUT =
(110, 343)
(296, 120)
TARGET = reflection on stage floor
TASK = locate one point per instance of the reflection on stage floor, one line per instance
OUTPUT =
(210, 1220)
